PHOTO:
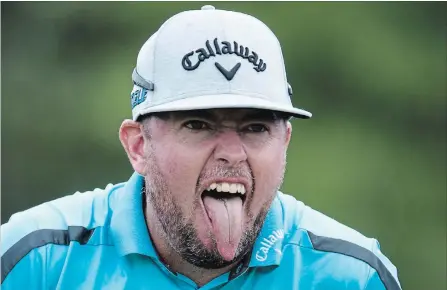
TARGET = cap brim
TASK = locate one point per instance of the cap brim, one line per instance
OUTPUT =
(222, 101)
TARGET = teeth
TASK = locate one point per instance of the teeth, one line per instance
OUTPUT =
(228, 187)
(225, 187)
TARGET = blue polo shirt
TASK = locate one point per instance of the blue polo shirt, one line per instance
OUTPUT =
(99, 240)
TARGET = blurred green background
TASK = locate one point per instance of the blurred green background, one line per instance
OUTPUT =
(373, 74)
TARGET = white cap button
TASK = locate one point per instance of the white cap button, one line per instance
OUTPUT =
(208, 7)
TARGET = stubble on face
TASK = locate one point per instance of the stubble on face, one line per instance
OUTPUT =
(178, 227)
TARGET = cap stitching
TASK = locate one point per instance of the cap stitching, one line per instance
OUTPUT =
(225, 37)
(159, 31)
(280, 51)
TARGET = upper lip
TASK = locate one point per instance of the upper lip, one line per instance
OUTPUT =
(240, 180)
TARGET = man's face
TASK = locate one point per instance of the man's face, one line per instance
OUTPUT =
(211, 176)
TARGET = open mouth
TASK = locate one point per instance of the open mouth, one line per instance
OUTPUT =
(226, 194)
(225, 191)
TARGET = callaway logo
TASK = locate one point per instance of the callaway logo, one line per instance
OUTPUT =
(223, 48)
(267, 243)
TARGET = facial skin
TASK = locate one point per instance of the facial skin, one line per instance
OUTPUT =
(181, 154)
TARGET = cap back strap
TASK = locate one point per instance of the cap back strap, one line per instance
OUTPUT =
(139, 81)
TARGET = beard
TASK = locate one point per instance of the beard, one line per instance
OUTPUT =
(178, 228)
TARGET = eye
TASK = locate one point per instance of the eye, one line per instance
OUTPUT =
(256, 128)
(196, 125)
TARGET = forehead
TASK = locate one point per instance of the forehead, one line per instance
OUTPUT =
(229, 114)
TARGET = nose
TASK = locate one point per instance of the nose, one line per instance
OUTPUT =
(229, 148)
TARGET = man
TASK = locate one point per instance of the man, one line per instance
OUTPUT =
(208, 140)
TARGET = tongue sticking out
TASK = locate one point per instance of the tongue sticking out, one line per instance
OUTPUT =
(226, 218)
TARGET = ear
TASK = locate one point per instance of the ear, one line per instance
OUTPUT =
(288, 133)
(133, 141)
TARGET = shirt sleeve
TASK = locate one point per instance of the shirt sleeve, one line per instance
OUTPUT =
(384, 275)
(22, 265)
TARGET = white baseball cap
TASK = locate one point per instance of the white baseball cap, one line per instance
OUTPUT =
(207, 59)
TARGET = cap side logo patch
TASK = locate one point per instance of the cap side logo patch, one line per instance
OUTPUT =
(137, 96)
(221, 48)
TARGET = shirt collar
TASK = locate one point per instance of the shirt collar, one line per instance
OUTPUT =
(267, 250)
(128, 224)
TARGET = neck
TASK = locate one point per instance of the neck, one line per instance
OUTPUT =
(172, 259)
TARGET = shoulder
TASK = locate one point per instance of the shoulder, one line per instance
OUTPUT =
(84, 209)
(337, 243)
(61, 221)
(297, 215)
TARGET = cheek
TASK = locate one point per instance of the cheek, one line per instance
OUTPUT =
(267, 167)
(180, 166)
